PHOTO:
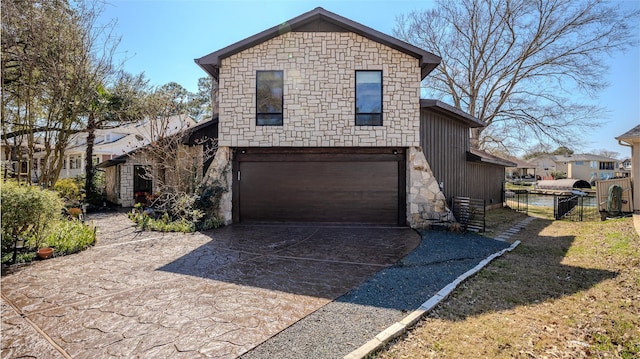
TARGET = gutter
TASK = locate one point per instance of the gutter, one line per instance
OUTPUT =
(624, 144)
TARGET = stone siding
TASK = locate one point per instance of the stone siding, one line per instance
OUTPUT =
(220, 174)
(319, 93)
(426, 204)
(126, 184)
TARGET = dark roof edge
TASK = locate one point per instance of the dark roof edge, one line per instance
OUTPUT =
(211, 62)
(457, 113)
(187, 137)
(116, 160)
(475, 155)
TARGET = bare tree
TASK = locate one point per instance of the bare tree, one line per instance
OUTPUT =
(176, 168)
(607, 153)
(519, 65)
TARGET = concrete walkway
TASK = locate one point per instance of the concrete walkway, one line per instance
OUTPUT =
(214, 294)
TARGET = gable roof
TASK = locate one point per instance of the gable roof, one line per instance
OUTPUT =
(452, 112)
(318, 20)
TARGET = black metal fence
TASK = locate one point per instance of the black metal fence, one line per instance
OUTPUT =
(575, 208)
(517, 200)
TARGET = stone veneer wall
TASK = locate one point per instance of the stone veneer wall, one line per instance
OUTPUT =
(426, 204)
(126, 198)
(319, 93)
(220, 174)
(126, 183)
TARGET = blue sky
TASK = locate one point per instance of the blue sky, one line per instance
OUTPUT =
(162, 38)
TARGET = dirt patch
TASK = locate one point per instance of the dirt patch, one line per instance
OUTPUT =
(571, 289)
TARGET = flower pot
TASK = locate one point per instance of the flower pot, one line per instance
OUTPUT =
(45, 253)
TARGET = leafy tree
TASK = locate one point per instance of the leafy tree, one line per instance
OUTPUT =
(109, 108)
(517, 64)
(562, 151)
(543, 150)
(204, 103)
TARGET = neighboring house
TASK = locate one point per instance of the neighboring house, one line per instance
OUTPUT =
(14, 157)
(320, 121)
(631, 139)
(111, 143)
(625, 165)
(578, 166)
(126, 174)
(523, 171)
(544, 166)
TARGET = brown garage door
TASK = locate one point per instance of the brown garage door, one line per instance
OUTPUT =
(329, 188)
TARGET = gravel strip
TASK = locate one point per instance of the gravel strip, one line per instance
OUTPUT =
(353, 319)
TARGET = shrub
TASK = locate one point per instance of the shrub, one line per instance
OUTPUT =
(26, 212)
(69, 237)
(68, 189)
(147, 221)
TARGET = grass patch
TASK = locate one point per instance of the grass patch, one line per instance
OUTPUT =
(571, 289)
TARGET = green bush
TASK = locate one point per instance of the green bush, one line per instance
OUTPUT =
(22, 257)
(68, 189)
(69, 237)
(26, 212)
(162, 223)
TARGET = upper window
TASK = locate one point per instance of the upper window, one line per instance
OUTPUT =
(269, 98)
(368, 98)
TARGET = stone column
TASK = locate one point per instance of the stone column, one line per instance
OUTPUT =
(220, 175)
(426, 204)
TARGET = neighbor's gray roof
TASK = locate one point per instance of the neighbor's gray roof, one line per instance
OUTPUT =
(522, 163)
(452, 111)
(582, 157)
(633, 133)
(319, 20)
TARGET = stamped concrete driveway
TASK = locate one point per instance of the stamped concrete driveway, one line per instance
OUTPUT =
(212, 294)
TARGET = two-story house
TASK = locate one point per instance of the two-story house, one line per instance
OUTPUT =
(320, 120)
(111, 143)
(586, 167)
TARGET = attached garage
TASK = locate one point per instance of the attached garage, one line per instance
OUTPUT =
(320, 185)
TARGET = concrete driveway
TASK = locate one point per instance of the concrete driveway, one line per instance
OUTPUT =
(213, 294)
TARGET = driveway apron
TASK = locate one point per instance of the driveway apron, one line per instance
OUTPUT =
(211, 294)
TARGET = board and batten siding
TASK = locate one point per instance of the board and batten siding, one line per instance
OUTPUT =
(445, 143)
(486, 182)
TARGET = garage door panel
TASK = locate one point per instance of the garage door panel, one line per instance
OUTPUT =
(355, 192)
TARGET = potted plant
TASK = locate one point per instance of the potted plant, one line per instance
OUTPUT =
(45, 252)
